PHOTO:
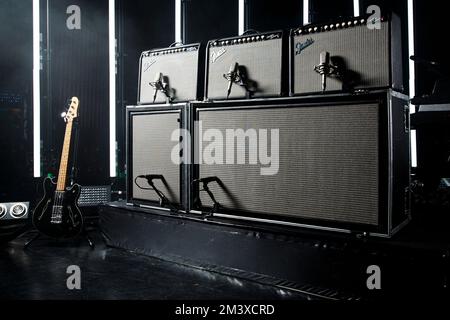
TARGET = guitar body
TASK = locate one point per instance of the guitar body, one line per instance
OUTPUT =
(57, 215)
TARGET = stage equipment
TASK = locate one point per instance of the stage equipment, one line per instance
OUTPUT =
(334, 162)
(171, 74)
(155, 148)
(14, 210)
(245, 67)
(346, 55)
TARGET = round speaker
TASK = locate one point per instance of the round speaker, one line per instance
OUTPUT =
(3, 211)
(18, 210)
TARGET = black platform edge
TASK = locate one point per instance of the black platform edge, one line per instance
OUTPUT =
(197, 243)
(323, 265)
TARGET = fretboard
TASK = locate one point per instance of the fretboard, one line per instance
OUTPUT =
(62, 174)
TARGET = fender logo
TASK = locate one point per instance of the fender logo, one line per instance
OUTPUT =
(217, 54)
(300, 46)
(147, 65)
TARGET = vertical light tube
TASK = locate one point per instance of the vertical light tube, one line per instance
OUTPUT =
(305, 12)
(241, 29)
(178, 27)
(36, 91)
(412, 73)
(412, 82)
(112, 88)
(356, 10)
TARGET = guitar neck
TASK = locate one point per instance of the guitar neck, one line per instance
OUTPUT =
(62, 174)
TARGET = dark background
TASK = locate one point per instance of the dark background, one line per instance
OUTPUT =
(76, 63)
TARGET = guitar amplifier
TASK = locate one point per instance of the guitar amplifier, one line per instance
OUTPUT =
(334, 162)
(253, 63)
(170, 75)
(154, 149)
(351, 55)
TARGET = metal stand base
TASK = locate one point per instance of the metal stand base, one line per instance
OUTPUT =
(84, 233)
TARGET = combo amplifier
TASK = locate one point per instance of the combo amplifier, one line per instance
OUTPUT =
(245, 66)
(332, 162)
(155, 175)
(170, 75)
(350, 55)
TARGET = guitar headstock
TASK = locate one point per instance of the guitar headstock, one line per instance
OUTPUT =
(72, 112)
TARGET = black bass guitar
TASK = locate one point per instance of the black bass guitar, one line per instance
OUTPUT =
(57, 215)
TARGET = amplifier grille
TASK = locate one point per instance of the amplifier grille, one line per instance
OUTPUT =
(181, 71)
(151, 154)
(368, 65)
(328, 163)
(262, 61)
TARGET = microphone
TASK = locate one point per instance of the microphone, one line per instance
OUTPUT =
(324, 68)
(232, 76)
(151, 177)
(157, 84)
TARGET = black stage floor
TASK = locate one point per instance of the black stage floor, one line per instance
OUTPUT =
(39, 272)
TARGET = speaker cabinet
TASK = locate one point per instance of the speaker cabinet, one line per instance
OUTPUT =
(363, 56)
(338, 162)
(259, 60)
(154, 147)
(179, 67)
(14, 210)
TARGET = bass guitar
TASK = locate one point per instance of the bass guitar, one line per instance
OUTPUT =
(57, 215)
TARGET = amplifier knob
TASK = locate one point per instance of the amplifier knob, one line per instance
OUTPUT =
(349, 24)
(355, 22)
(310, 30)
(257, 38)
(362, 21)
(332, 26)
(325, 28)
(299, 31)
(315, 29)
(222, 43)
(262, 38)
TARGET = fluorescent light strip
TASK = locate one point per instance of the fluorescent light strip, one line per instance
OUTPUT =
(356, 11)
(36, 92)
(412, 81)
(178, 28)
(412, 84)
(112, 88)
(305, 12)
(241, 17)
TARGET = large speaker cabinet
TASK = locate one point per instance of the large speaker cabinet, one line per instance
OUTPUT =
(155, 147)
(343, 161)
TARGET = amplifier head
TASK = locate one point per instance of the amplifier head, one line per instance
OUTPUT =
(170, 74)
(14, 210)
(251, 63)
(346, 55)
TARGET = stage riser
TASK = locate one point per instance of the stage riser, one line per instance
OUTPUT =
(277, 257)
